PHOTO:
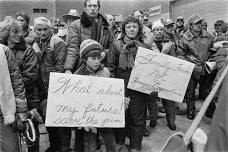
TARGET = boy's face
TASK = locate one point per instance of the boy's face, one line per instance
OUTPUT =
(93, 62)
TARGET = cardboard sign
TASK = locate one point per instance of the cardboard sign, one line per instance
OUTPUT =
(154, 71)
(80, 101)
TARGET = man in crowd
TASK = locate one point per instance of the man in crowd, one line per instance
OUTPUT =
(147, 34)
(112, 25)
(71, 17)
(179, 29)
(51, 52)
(218, 30)
(194, 47)
(169, 31)
(204, 25)
(24, 19)
(163, 45)
(92, 25)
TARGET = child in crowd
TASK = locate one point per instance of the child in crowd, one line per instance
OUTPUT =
(86, 138)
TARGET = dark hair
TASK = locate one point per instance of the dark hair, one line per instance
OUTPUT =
(98, 2)
(224, 27)
(132, 19)
(24, 15)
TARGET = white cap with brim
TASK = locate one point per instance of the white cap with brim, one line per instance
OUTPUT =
(157, 24)
(73, 14)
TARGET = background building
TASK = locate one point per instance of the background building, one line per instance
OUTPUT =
(211, 10)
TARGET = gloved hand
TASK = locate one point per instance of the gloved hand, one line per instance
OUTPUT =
(88, 129)
(126, 102)
(34, 115)
(154, 94)
(19, 125)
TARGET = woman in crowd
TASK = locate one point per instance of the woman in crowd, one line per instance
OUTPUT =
(13, 103)
(120, 62)
(26, 58)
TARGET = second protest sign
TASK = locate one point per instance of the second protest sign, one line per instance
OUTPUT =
(167, 75)
(80, 101)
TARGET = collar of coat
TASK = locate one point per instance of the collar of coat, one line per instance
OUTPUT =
(189, 36)
(86, 22)
(83, 70)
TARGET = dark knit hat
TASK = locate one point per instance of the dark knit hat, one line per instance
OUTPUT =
(87, 46)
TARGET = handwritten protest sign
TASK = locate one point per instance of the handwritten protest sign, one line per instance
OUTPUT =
(79, 101)
(154, 71)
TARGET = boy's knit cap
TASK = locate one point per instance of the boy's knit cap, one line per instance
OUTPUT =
(87, 46)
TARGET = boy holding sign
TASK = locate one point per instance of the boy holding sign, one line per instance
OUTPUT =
(90, 53)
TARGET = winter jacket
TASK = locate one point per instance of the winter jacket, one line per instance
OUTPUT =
(196, 50)
(168, 47)
(52, 59)
(101, 72)
(115, 52)
(16, 80)
(79, 31)
(27, 61)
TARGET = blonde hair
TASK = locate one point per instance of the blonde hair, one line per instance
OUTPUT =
(5, 29)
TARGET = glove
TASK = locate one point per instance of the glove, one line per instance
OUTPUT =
(126, 102)
(34, 115)
(154, 94)
(88, 129)
(19, 124)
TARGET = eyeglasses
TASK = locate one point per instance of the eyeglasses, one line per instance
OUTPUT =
(217, 25)
(95, 6)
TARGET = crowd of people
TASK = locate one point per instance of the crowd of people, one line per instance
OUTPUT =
(93, 44)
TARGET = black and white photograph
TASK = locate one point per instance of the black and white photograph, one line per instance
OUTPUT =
(113, 75)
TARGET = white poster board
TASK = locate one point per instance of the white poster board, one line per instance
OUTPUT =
(154, 71)
(80, 101)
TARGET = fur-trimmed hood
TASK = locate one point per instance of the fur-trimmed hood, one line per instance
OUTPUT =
(86, 21)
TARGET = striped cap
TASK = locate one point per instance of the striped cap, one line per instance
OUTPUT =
(87, 46)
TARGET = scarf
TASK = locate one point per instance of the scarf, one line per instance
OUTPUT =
(7, 98)
(43, 47)
(96, 29)
(128, 52)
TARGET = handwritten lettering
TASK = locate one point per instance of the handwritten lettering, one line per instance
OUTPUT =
(110, 92)
(151, 59)
(109, 120)
(91, 120)
(67, 109)
(68, 85)
(100, 108)
(181, 69)
(68, 120)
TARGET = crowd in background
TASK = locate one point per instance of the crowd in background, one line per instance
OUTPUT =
(95, 45)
